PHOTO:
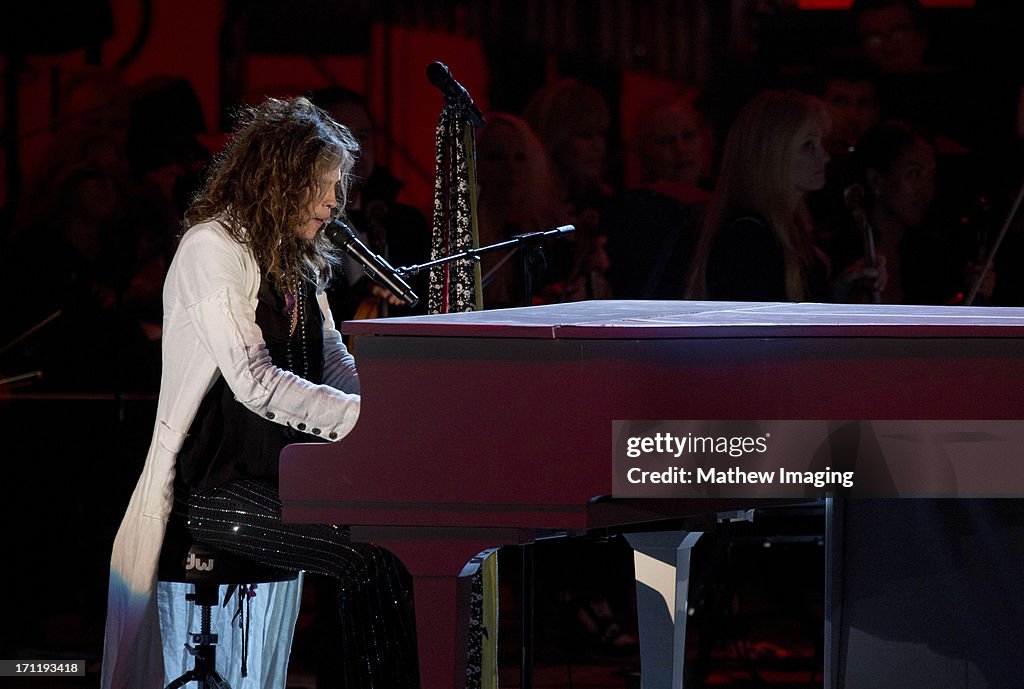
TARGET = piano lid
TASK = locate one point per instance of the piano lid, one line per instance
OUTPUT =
(612, 319)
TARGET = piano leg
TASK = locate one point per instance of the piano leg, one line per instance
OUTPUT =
(436, 602)
(441, 622)
(662, 561)
(526, 632)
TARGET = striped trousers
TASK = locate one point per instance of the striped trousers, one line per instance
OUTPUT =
(374, 590)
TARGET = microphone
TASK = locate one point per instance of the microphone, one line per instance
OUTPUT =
(454, 92)
(342, 236)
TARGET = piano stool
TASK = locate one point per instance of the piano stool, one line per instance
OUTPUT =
(184, 560)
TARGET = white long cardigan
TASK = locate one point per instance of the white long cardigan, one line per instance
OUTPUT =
(209, 329)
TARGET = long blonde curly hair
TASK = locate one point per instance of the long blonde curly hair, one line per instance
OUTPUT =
(261, 184)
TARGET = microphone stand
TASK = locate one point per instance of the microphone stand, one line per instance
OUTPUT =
(460, 103)
(21, 378)
(26, 378)
(530, 242)
(31, 331)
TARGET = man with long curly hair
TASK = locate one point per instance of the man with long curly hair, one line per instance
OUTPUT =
(251, 362)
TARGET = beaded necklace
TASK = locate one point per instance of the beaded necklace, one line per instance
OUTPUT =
(295, 305)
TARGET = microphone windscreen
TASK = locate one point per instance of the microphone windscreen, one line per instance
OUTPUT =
(337, 230)
(438, 74)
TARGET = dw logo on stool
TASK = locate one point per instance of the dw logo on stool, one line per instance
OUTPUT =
(198, 564)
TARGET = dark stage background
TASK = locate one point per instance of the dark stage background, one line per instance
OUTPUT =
(148, 87)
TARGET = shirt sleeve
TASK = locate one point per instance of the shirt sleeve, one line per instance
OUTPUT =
(210, 277)
(339, 365)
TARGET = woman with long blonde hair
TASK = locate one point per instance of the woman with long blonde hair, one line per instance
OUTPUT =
(757, 242)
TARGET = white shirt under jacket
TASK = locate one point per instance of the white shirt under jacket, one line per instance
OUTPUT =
(209, 329)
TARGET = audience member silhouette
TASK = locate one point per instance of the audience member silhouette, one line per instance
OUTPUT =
(892, 34)
(395, 230)
(572, 119)
(107, 235)
(911, 86)
(757, 242)
(926, 253)
(513, 174)
(652, 229)
(850, 95)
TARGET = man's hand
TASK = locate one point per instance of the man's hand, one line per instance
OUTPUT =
(384, 293)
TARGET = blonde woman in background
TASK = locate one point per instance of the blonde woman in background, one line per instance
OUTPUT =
(757, 242)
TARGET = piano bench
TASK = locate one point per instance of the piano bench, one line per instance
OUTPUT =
(184, 560)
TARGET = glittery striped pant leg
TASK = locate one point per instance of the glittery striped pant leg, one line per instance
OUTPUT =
(374, 589)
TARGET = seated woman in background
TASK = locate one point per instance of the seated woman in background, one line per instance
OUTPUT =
(925, 258)
(515, 198)
(571, 119)
(757, 242)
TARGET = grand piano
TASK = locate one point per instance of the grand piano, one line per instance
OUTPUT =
(489, 428)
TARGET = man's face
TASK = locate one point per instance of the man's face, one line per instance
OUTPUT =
(853, 108)
(892, 39)
(670, 145)
(358, 122)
